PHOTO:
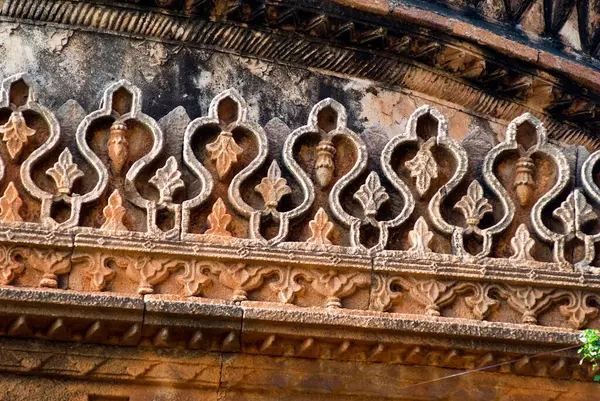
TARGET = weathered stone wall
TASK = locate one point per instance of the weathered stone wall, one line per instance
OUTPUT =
(79, 65)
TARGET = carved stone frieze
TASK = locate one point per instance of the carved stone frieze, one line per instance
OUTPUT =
(185, 240)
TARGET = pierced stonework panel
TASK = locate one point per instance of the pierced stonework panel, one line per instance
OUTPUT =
(222, 149)
(317, 226)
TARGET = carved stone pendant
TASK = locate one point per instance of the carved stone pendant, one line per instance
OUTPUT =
(324, 164)
(423, 167)
(524, 181)
(118, 145)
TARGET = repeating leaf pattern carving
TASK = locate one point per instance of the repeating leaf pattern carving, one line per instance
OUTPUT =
(286, 270)
(16, 134)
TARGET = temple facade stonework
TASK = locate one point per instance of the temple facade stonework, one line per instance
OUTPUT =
(298, 200)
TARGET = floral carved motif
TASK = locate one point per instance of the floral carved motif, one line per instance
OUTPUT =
(473, 205)
(383, 295)
(288, 286)
(114, 213)
(149, 271)
(414, 247)
(420, 237)
(10, 204)
(577, 311)
(195, 277)
(337, 285)
(371, 195)
(273, 187)
(10, 264)
(423, 167)
(242, 279)
(16, 133)
(96, 268)
(50, 262)
(224, 151)
(522, 244)
(167, 180)
(218, 220)
(320, 229)
(65, 172)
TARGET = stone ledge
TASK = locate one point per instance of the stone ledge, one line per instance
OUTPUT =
(267, 329)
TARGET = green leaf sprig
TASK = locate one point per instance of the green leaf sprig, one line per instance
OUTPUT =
(590, 350)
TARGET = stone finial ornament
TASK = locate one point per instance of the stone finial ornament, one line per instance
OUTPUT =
(324, 164)
(423, 167)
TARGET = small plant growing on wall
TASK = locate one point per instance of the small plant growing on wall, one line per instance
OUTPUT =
(590, 350)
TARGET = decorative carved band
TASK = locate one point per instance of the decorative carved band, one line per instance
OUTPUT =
(432, 230)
